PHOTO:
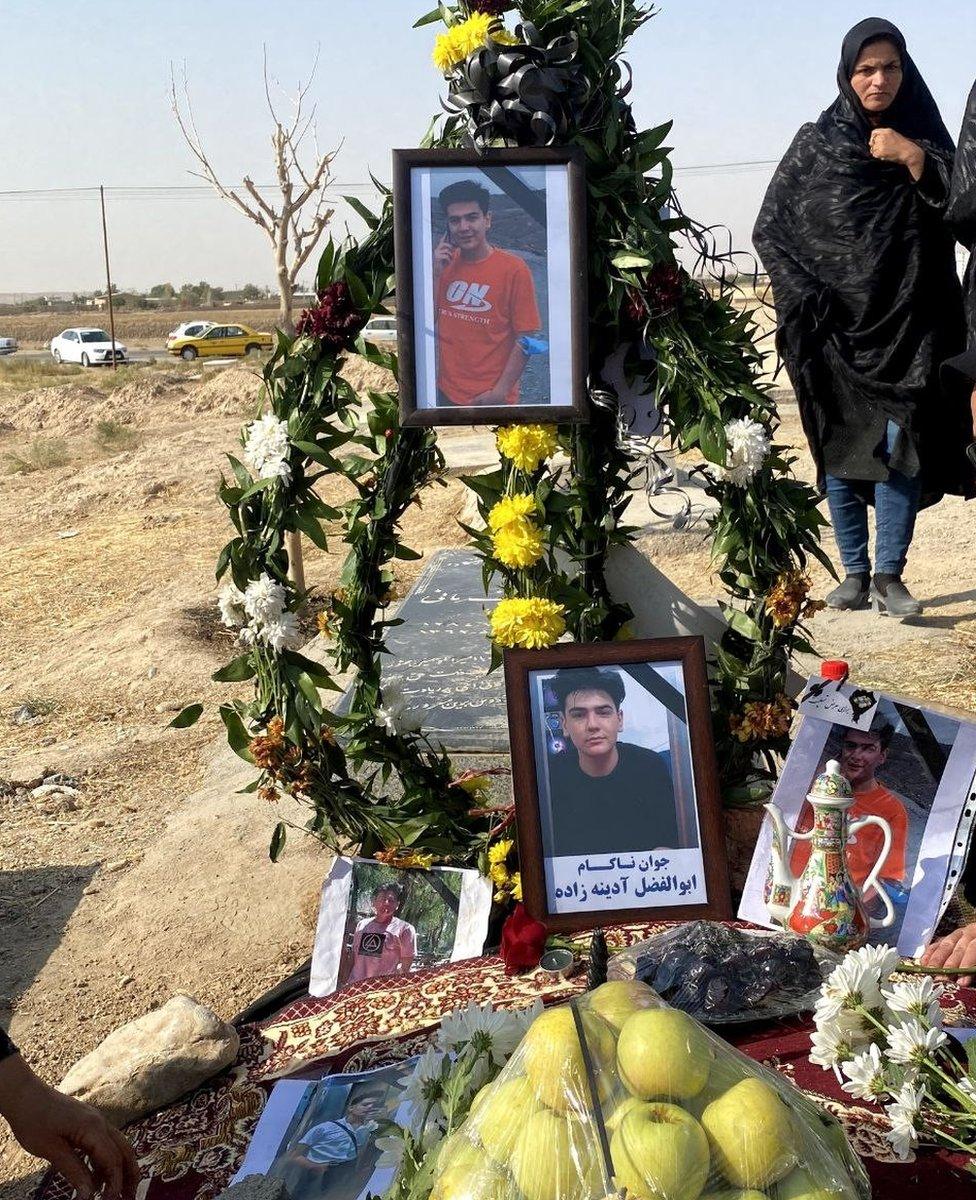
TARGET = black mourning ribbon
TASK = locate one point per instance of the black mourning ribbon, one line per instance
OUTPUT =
(534, 93)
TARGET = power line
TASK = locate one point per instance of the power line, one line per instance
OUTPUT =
(181, 191)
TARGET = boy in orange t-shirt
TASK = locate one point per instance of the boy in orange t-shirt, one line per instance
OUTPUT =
(485, 301)
(863, 753)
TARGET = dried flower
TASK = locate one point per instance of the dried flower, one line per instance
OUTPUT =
(763, 721)
(785, 599)
(268, 750)
(532, 623)
(335, 320)
(407, 860)
(527, 446)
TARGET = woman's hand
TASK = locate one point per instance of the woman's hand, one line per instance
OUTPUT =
(956, 950)
(889, 146)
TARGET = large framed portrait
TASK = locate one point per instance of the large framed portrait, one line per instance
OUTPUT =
(491, 285)
(913, 766)
(616, 788)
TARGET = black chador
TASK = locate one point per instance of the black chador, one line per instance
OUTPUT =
(868, 300)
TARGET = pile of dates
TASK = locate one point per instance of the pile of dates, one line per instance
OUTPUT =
(714, 972)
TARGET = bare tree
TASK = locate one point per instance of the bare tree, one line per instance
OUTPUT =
(295, 225)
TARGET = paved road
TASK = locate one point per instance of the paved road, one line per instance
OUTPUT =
(134, 356)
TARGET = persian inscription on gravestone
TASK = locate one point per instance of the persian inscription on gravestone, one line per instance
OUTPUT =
(440, 655)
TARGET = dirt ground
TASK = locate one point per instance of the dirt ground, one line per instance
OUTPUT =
(111, 527)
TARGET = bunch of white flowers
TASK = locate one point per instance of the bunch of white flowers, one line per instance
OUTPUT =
(885, 1039)
(747, 446)
(259, 611)
(394, 715)
(266, 448)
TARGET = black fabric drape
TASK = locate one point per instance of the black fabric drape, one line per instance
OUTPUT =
(961, 216)
(868, 302)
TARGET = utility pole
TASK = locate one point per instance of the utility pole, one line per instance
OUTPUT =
(108, 279)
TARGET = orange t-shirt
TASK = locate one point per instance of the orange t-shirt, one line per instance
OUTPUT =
(482, 308)
(863, 852)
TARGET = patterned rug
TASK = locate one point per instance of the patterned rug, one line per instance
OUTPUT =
(192, 1149)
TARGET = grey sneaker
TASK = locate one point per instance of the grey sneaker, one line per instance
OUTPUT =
(852, 593)
(889, 595)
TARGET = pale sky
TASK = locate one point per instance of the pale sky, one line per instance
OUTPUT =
(85, 101)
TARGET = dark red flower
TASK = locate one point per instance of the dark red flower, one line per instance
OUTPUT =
(491, 8)
(523, 941)
(661, 294)
(335, 320)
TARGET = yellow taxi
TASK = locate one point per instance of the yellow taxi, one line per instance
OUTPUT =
(220, 341)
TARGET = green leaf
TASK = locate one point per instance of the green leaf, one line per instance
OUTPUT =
(186, 717)
(626, 260)
(357, 206)
(237, 736)
(236, 671)
(277, 841)
(405, 553)
(312, 529)
(310, 691)
(428, 18)
(742, 623)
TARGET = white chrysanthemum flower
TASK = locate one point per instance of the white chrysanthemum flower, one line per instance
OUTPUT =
(489, 1032)
(865, 1075)
(747, 447)
(264, 599)
(902, 1115)
(881, 960)
(230, 601)
(832, 1045)
(250, 635)
(918, 997)
(426, 1082)
(912, 1042)
(849, 986)
(391, 1150)
(393, 714)
(283, 633)
(967, 1085)
(266, 448)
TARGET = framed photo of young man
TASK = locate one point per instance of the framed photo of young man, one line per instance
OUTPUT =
(491, 285)
(616, 787)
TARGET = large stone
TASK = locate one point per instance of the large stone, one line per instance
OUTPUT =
(153, 1061)
(256, 1187)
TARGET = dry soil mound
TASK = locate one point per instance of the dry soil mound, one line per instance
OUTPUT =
(230, 392)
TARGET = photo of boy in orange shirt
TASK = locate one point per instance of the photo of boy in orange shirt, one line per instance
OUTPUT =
(485, 303)
(862, 754)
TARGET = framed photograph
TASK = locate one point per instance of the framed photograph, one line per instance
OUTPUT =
(319, 1136)
(379, 920)
(491, 285)
(616, 788)
(913, 766)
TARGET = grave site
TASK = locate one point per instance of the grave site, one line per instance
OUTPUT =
(439, 767)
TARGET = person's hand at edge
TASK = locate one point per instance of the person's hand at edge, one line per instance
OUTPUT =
(956, 950)
(66, 1133)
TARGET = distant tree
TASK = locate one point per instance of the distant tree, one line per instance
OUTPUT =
(251, 291)
(296, 223)
(163, 291)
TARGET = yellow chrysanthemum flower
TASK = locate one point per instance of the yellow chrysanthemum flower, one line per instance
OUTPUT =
(509, 509)
(498, 873)
(515, 885)
(459, 41)
(518, 544)
(500, 851)
(532, 623)
(527, 445)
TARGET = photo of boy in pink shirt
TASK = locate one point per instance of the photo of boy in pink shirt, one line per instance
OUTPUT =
(382, 944)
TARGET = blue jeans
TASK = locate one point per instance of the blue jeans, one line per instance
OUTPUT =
(895, 506)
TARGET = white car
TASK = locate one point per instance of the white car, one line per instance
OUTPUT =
(381, 330)
(190, 329)
(86, 346)
(7, 345)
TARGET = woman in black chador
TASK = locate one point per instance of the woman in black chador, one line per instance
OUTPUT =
(961, 215)
(868, 305)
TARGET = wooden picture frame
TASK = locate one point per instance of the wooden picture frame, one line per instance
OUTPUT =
(551, 218)
(664, 682)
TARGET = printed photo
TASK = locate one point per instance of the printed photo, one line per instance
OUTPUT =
(378, 920)
(616, 793)
(487, 286)
(319, 1138)
(913, 768)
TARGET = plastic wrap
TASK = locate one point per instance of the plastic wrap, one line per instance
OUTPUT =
(722, 975)
(617, 1091)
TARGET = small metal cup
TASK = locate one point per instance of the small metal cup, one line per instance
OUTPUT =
(560, 963)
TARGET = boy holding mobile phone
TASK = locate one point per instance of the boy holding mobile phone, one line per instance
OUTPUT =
(485, 302)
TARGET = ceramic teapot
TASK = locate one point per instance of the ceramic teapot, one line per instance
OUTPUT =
(823, 903)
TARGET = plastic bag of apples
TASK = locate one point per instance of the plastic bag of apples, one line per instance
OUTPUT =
(619, 1093)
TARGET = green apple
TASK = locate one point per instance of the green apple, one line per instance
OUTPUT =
(556, 1159)
(499, 1117)
(619, 1111)
(618, 999)
(470, 1176)
(662, 1054)
(751, 1135)
(801, 1184)
(660, 1152)
(736, 1194)
(554, 1060)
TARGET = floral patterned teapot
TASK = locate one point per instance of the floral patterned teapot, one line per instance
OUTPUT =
(824, 904)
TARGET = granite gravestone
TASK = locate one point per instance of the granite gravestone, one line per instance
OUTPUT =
(439, 657)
